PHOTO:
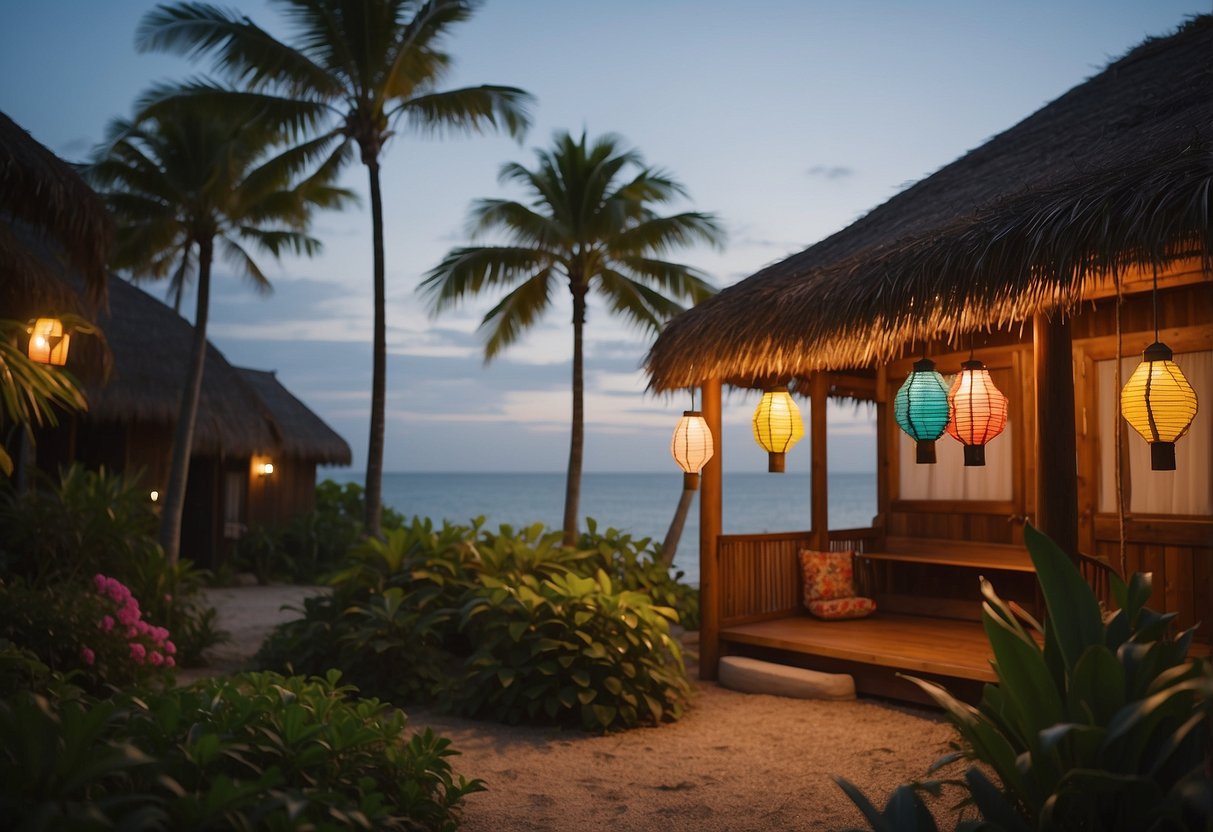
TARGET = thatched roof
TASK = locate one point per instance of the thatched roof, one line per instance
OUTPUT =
(302, 433)
(44, 200)
(150, 345)
(1117, 172)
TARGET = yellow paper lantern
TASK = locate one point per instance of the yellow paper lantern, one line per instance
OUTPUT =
(691, 447)
(777, 426)
(48, 342)
(1159, 403)
(977, 410)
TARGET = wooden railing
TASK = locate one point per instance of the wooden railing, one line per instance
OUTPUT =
(759, 574)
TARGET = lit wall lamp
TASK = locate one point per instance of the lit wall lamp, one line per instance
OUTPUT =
(691, 447)
(155, 496)
(777, 426)
(264, 469)
(48, 343)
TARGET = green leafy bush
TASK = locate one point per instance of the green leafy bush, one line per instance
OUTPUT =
(448, 613)
(1103, 726)
(569, 649)
(636, 564)
(250, 752)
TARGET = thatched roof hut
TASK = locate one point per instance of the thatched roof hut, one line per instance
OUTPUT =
(1116, 173)
(301, 432)
(43, 196)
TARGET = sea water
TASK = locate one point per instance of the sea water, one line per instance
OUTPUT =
(642, 504)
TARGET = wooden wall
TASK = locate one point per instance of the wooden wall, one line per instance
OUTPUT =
(1179, 551)
(275, 499)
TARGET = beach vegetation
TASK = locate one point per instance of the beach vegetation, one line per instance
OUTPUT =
(1098, 721)
(254, 751)
(354, 74)
(590, 225)
(508, 624)
(63, 531)
(187, 184)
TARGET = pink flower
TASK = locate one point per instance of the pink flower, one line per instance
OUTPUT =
(156, 659)
(138, 652)
(128, 615)
(88, 655)
(100, 581)
(168, 662)
(170, 648)
(106, 624)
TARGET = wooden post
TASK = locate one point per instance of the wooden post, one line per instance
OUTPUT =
(883, 448)
(1056, 455)
(819, 393)
(710, 505)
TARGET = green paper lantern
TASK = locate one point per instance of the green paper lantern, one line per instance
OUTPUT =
(921, 408)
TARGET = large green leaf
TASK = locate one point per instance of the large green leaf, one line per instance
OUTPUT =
(1097, 687)
(1073, 609)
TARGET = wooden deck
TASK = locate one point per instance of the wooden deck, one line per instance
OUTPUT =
(914, 644)
(955, 553)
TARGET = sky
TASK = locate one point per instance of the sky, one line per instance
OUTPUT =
(788, 119)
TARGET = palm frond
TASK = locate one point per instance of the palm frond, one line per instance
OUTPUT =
(521, 224)
(235, 255)
(661, 234)
(641, 305)
(242, 51)
(516, 312)
(280, 241)
(470, 270)
(472, 109)
(677, 279)
(296, 115)
(418, 62)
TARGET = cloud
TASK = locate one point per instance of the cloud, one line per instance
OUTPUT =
(830, 172)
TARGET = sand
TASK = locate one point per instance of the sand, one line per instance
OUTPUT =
(734, 762)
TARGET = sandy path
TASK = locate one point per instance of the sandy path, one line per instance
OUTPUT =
(736, 762)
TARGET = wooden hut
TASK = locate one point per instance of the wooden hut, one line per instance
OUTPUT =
(245, 420)
(1037, 253)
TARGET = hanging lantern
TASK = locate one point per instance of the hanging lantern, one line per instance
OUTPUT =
(1159, 403)
(777, 426)
(921, 408)
(691, 447)
(977, 410)
(48, 342)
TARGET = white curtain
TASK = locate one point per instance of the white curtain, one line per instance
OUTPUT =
(1188, 490)
(948, 478)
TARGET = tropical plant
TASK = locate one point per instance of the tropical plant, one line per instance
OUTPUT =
(570, 650)
(183, 183)
(1098, 724)
(590, 225)
(638, 564)
(355, 72)
(257, 751)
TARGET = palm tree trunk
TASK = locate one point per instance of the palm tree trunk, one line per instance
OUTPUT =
(183, 438)
(674, 534)
(572, 485)
(374, 451)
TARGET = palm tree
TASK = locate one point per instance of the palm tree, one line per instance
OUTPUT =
(184, 183)
(360, 70)
(589, 225)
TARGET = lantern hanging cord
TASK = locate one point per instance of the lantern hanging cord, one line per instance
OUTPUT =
(1155, 300)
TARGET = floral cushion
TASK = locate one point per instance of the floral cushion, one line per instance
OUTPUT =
(842, 608)
(827, 575)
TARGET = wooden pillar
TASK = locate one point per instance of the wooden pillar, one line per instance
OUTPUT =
(883, 432)
(710, 513)
(1056, 457)
(819, 392)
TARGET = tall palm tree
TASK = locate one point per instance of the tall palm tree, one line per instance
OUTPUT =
(590, 225)
(354, 69)
(185, 183)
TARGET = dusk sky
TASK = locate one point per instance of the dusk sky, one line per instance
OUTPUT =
(788, 119)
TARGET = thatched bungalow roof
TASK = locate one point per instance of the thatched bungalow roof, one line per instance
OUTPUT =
(303, 433)
(238, 413)
(1116, 173)
(43, 200)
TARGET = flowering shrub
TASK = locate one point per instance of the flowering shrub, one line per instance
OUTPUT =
(98, 631)
(146, 644)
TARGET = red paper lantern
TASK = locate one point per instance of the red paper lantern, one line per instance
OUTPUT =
(977, 410)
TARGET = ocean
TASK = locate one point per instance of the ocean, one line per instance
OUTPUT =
(642, 504)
